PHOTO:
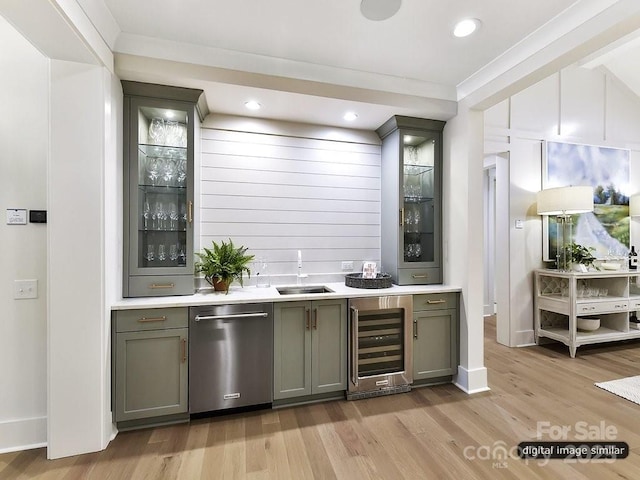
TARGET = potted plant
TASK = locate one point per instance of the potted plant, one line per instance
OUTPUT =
(223, 264)
(577, 254)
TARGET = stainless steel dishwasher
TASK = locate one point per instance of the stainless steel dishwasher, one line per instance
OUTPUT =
(230, 356)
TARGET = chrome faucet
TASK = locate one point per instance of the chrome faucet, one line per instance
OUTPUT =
(301, 276)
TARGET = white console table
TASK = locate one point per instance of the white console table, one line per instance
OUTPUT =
(561, 297)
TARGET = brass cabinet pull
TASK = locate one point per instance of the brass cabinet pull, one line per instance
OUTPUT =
(308, 322)
(161, 285)
(315, 318)
(432, 302)
(153, 319)
(423, 275)
(184, 350)
(190, 211)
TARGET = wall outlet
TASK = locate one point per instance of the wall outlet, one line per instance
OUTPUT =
(23, 289)
(347, 266)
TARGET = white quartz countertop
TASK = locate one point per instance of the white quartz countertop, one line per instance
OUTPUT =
(250, 294)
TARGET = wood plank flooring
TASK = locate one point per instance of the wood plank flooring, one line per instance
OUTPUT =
(430, 433)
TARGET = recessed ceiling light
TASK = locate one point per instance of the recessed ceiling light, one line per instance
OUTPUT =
(466, 27)
(379, 9)
(350, 116)
(252, 105)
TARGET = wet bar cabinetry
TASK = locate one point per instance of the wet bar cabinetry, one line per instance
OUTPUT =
(150, 366)
(411, 200)
(562, 298)
(435, 337)
(159, 129)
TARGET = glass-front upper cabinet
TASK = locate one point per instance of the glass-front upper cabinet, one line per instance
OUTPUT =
(411, 199)
(158, 184)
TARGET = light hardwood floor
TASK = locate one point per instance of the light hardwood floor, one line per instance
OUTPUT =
(435, 432)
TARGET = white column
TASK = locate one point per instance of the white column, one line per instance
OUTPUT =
(77, 354)
(463, 238)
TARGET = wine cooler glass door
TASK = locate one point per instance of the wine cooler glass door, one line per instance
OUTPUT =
(164, 212)
(418, 197)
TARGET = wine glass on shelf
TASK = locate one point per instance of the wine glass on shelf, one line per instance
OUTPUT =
(152, 166)
(173, 216)
(172, 133)
(160, 216)
(146, 214)
(168, 170)
(173, 252)
(157, 131)
(162, 254)
(150, 255)
(181, 171)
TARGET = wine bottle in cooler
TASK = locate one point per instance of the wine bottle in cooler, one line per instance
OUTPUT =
(633, 259)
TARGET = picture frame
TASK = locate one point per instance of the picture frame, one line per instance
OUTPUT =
(606, 169)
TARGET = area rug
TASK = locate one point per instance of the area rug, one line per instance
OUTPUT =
(628, 388)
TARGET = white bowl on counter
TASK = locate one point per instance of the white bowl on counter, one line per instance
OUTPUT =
(587, 324)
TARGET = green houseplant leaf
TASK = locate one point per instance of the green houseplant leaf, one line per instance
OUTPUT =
(577, 253)
(224, 263)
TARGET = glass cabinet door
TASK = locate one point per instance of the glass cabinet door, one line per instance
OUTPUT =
(160, 194)
(419, 194)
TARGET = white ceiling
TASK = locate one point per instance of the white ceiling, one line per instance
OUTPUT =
(311, 61)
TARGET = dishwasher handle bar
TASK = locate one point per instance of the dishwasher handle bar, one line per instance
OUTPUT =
(231, 316)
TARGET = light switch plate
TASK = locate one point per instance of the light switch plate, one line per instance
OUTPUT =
(23, 289)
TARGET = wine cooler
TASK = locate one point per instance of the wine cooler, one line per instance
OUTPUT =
(380, 346)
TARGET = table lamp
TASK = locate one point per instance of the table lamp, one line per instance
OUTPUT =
(565, 202)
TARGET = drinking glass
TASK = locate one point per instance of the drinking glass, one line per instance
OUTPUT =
(152, 166)
(173, 216)
(182, 254)
(173, 252)
(160, 216)
(181, 171)
(168, 171)
(150, 256)
(162, 255)
(172, 133)
(146, 213)
(157, 131)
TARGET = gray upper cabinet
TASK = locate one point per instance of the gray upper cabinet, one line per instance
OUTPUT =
(411, 209)
(159, 124)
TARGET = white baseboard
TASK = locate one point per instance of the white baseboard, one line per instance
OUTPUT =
(24, 434)
(472, 381)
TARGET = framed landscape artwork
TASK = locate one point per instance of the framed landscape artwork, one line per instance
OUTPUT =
(606, 229)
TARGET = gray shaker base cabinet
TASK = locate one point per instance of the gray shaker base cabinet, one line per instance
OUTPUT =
(435, 335)
(310, 348)
(151, 364)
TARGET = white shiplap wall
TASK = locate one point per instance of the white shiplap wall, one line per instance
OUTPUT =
(280, 193)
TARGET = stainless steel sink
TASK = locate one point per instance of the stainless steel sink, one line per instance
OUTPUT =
(303, 289)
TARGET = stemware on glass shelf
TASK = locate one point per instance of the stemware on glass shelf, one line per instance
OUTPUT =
(152, 167)
(162, 254)
(150, 256)
(146, 214)
(157, 131)
(181, 174)
(160, 216)
(173, 216)
(169, 170)
(173, 252)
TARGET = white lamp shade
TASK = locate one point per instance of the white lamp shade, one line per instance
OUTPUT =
(634, 206)
(565, 200)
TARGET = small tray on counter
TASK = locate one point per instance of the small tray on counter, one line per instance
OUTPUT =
(355, 280)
